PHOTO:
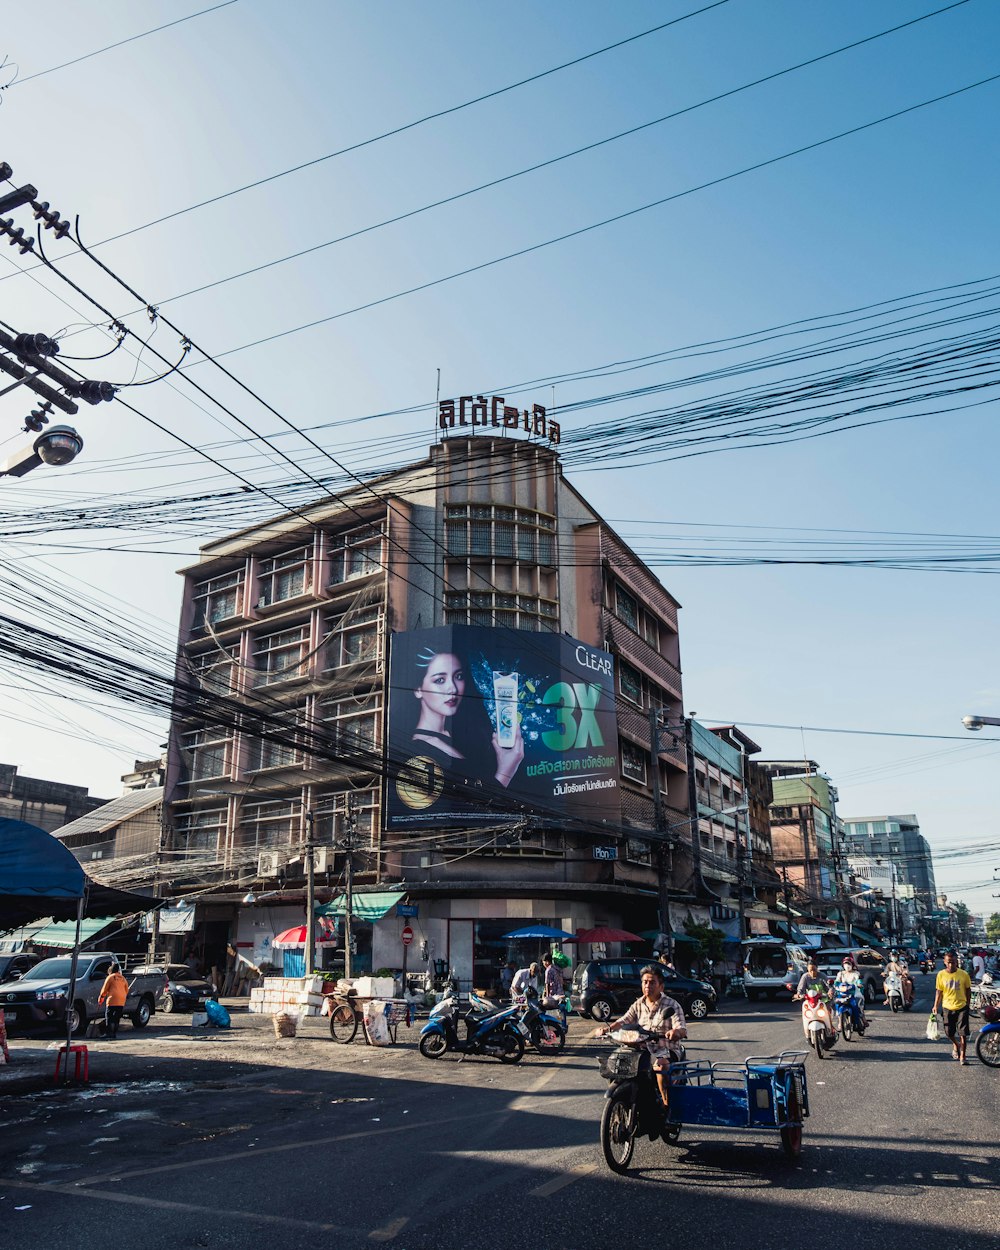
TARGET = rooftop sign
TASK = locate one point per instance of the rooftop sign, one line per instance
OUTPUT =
(473, 410)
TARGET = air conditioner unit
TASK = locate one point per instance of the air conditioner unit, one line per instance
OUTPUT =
(268, 864)
(322, 858)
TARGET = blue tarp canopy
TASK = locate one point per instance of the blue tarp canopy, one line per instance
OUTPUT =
(40, 878)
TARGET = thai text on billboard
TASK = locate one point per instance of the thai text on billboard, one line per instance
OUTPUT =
(485, 722)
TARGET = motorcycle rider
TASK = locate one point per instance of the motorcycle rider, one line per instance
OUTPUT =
(661, 1015)
(849, 975)
(899, 966)
(813, 985)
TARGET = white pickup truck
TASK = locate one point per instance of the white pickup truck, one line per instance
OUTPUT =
(41, 995)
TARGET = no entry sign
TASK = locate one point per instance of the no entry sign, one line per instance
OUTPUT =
(406, 937)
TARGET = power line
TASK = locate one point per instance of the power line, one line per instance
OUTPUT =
(120, 44)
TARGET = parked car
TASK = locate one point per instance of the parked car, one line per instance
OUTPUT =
(604, 988)
(769, 964)
(870, 964)
(40, 995)
(13, 967)
(184, 989)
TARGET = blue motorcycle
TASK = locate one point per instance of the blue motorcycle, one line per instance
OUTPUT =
(847, 1010)
(497, 1033)
(988, 1041)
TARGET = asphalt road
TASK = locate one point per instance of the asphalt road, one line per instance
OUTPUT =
(283, 1144)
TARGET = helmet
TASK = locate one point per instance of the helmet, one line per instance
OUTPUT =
(849, 961)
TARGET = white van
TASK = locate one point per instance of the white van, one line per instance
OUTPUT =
(769, 964)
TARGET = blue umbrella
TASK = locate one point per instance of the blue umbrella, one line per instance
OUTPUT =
(538, 931)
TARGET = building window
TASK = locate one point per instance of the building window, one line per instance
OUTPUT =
(356, 554)
(215, 670)
(349, 725)
(96, 854)
(501, 532)
(629, 682)
(502, 609)
(633, 761)
(637, 851)
(218, 599)
(285, 576)
(627, 607)
(268, 823)
(200, 831)
(266, 753)
(354, 637)
(280, 656)
(209, 751)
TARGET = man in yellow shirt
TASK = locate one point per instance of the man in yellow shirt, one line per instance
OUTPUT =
(952, 993)
(115, 991)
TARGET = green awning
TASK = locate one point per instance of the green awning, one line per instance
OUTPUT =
(62, 933)
(865, 936)
(370, 906)
(683, 937)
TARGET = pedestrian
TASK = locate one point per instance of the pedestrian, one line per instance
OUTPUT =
(115, 991)
(978, 965)
(666, 961)
(506, 976)
(525, 979)
(553, 982)
(952, 992)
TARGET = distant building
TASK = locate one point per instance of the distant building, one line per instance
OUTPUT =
(897, 840)
(45, 804)
(803, 820)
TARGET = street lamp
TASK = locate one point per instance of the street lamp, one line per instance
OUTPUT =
(58, 445)
(975, 723)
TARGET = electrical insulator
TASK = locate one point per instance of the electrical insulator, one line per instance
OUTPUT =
(16, 238)
(94, 392)
(35, 345)
(50, 218)
(38, 417)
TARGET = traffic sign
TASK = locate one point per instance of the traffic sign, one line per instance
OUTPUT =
(406, 937)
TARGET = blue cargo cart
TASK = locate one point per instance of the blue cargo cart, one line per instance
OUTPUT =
(764, 1092)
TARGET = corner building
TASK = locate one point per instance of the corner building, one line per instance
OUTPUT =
(285, 641)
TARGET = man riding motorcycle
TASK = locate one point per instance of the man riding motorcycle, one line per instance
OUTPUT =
(849, 976)
(898, 965)
(661, 1015)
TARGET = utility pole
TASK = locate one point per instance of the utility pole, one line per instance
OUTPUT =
(352, 824)
(310, 897)
(662, 848)
(788, 909)
(740, 872)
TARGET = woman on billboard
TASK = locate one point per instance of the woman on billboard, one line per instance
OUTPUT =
(440, 691)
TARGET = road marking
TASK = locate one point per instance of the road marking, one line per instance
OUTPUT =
(388, 1231)
(560, 1182)
(104, 1177)
(105, 1195)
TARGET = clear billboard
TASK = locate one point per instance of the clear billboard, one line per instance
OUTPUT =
(484, 722)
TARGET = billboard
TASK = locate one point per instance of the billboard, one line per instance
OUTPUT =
(484, 722)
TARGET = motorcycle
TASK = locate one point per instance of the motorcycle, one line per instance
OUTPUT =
(497, 1033)
(817, 1024)
(547, 1031)
(847, 1010)
(632, 1105)
(988, 1038)
(894, 990)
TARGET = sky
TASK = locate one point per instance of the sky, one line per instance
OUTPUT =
(224, 98)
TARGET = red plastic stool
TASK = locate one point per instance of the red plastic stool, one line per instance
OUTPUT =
(82, 1057)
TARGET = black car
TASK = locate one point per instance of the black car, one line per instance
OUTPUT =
(13, 967)
(604, 988)
(183, 990)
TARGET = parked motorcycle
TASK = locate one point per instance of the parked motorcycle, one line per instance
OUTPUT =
(497, 1033)
(847, 1010)
(894, 990)
(547, 1031)
(988, 1039)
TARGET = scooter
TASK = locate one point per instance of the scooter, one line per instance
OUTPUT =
(497, 1034)
(894, 990)
(847, 1010)
(988, 1039)
(633, 1106)
(547, 1032)
(817, 1024)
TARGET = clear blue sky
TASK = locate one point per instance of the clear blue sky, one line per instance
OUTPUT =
(209, 104)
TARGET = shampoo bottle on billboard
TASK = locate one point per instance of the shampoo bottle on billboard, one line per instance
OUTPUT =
(505, 697)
